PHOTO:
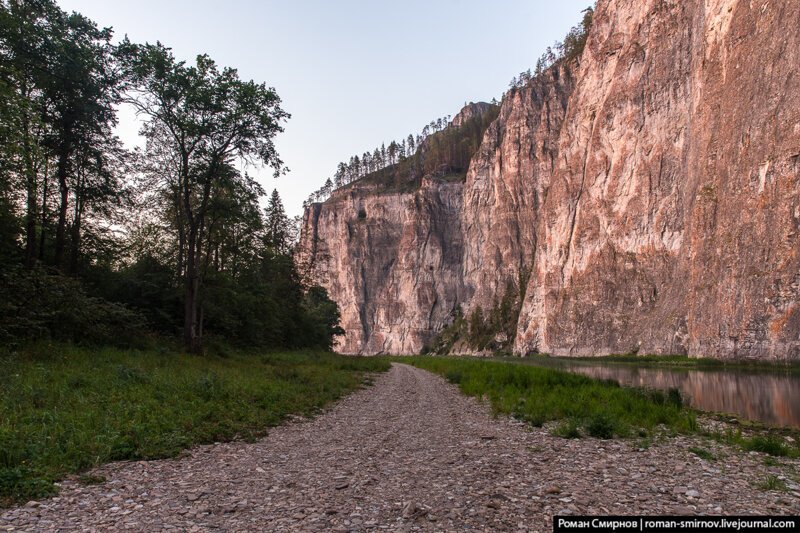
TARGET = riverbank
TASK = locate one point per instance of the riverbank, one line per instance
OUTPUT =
(582, 405)
(684, 361)
(413, 453)
(65, 409)
(574, 406)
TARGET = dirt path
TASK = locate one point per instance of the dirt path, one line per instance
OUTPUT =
(409, 438)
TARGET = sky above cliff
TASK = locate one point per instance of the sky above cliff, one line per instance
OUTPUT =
(353, 74)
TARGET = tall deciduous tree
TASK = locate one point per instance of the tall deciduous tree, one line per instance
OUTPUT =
(82, 92)
(210, 118)
(57, 74)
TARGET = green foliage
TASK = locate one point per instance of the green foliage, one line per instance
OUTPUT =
(444, 154)
(702, 453)
(769, 444)
(566, 51)
(601, 426)
(575, 41)
(539, 395)
(493, 331)
(65, 409)
(197, 250)
(567, 429)
(35, 304)
(773, 483)
(203, 120)
(323, 318)
(276, 226)
(446, 340)
(764, 441)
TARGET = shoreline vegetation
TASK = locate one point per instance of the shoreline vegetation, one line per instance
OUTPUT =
(681, 361)
(574, 406)
(66, 409)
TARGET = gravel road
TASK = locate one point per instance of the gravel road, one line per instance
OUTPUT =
(409, 453)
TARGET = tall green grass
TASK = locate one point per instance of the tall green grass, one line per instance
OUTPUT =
(65, 409)
(585, 406)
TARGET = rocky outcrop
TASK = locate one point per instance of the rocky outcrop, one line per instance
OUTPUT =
(672, 216)
(470, 111)
(507, 183)
(651, 190)
(392, 261)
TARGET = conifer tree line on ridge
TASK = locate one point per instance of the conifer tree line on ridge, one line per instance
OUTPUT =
(412, 149)
(378, 159)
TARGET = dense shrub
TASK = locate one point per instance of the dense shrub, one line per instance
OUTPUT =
(35, 304)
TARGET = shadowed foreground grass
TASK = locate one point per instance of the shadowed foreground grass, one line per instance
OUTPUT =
(65, 409)
(584, 406)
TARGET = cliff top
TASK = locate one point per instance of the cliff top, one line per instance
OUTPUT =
(443, 154)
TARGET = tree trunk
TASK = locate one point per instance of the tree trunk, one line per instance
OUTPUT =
(191, 335)
(30, 220)
(181, 227)
(30, 189)
(181, 252)
(75, 240)
(43, 225)
(61, 229)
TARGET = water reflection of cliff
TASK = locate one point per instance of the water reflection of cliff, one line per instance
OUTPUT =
(769, 398)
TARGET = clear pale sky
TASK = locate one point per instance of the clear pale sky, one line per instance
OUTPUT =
(352, 73)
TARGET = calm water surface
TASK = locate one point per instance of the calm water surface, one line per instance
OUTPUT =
(765, 396)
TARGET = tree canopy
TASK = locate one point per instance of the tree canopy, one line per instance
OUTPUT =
(103, 244)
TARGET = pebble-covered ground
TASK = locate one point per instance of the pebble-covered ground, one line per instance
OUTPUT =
(412, 453)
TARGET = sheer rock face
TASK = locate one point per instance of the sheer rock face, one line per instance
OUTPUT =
(506, 185)
(671, 221)
(391, 261)
(653, 191)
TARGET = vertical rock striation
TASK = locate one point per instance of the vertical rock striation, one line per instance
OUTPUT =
(507, 183)
(391, 260)
(652, 190)
(672, 219)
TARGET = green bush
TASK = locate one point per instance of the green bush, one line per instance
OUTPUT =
(702, 453)
(768, 444)
(567, 430)
(35, 304)
(600, 426)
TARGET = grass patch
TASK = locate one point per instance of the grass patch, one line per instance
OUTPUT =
(539, 395)
(567, 429)
(702, 453)
(65, 409)
(601, 426)
(773, 483)
(769, 444)
(767, 440)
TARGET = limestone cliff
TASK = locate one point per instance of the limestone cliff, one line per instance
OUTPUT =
(392, 261)
(651, 189)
